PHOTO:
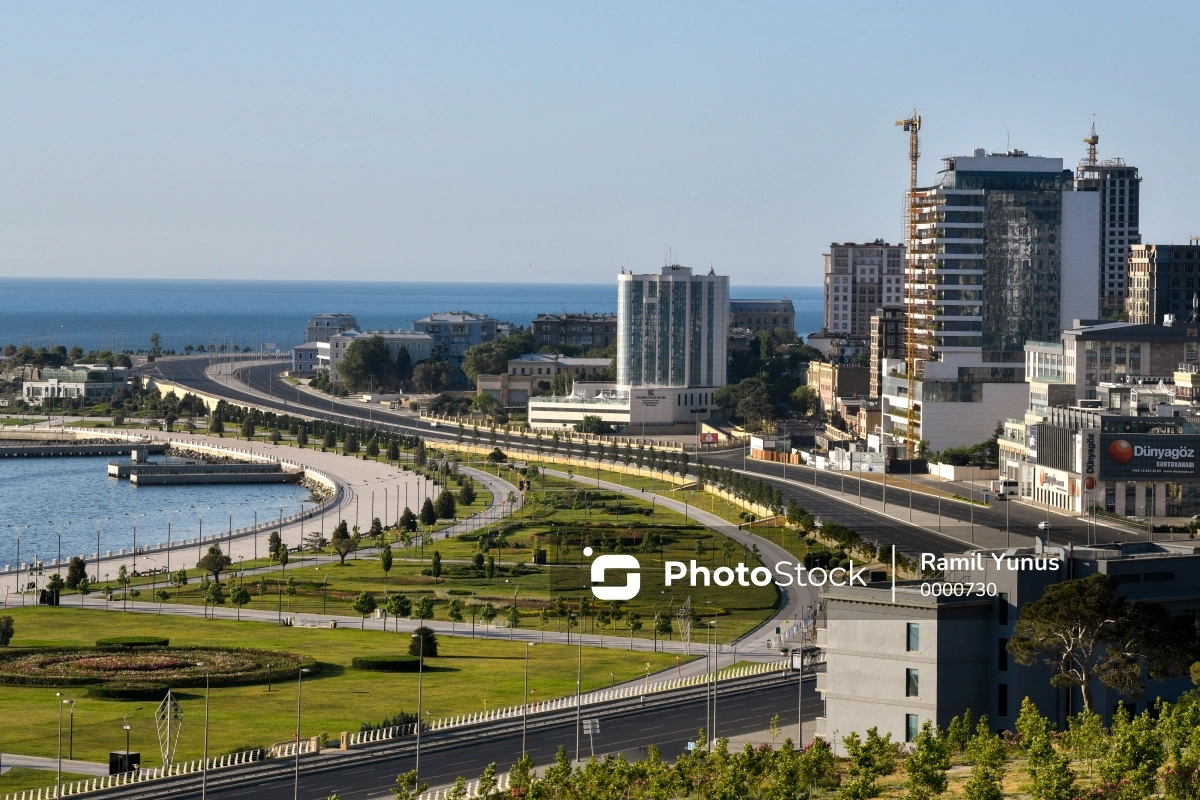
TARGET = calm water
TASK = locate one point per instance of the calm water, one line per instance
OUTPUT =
(41, 492)
(121, 314)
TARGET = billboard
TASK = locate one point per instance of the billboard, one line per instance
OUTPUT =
(709, 438)
(1148, 456)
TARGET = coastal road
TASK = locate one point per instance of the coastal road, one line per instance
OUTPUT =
(627, 733)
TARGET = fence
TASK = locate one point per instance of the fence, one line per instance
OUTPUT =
(138, 776)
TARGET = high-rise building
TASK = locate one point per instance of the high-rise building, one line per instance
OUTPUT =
(1117, 184)
(1002, 240)
(672, 328)
(1163, 279)
(860, 278)
(889, 340)
(762, 315)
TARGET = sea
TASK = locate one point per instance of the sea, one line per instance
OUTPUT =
(120, 315)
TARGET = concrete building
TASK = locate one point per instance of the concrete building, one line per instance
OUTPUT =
(532, 373)
(453, 332)
(1163, 279)
(860, 278)
(762, 315)
(321, 327)
(310, 357)
(581, 330)
(1002, 239)
(420, 346)
(87, 382)
(1118, 185)
(889, 339)
(895, 663)
(831, 381)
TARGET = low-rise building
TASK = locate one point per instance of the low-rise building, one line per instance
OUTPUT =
(581, 330)
(87, 382)
(762, 314)
(638, 410)
(831, 381)
(532, 373)
(419, 346)
(897, 659)
(321, 327)
(454, 332)
(310, 357)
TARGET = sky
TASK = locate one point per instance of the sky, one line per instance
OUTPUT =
(548, 141)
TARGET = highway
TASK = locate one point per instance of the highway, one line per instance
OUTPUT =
(627, 733)
(1018, 518)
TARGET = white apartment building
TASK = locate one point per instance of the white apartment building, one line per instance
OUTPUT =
(859, 278)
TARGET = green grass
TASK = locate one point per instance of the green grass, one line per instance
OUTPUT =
(18, 779)
(338, 698)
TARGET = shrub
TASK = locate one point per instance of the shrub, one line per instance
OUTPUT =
(6, 630)
(133, 641)
(128, 691)
(386, 663)
(425, 636)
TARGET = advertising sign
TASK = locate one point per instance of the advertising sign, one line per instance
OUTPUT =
(1147, 456)
(710, 438)
(647, 397)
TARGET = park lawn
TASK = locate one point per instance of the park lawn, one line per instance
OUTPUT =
(467, 674)
(18, 779)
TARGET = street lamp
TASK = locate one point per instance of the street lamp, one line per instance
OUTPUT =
(204, 765)
(20, 588)
(299, 686)
(135, 518)
(58, 781)
(420, 685)
(525, 701)
(126, 726)
(58, 560)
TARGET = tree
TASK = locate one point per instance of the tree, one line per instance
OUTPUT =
(986, 751)
(485, 404)
(408, 787)
(6, 630)
(491, 358)
(216, 424)
(433, 376)
(84, 588)
(1084, 630)
(373, 447)
(423, 639)
(1049, 771)
(927, 765)
(466, 495)
(429, 514)
(424, 608)
(868, 761)
(214, 562)
(1031, 724)
(603, 619)
(445, 505)
(240, 596)
(364, 605)
(76, 571)
(398, 606)
(248, 426)
(342, 542)
(408, 520)
(455, 612)
(487, 614)
(302, 436)
(514, 619)
(633, 621)
(56, 584)
(593, 424)
(490, 569)
(1086, 738)
(330, 440)
(214, 596)
(274, 544)
(350, 445)
(155, 345)
(385, 560)
(803, 400)
(1134, 754)
(366, 364)
(393, 450)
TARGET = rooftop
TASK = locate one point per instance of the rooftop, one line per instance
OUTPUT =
(570, 361)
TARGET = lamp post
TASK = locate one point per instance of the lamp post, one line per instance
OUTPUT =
(20, 588)
(299, 687)
(58, 780)
(135, 518)
(204, 765)
(420, 686)
(125, 724)
(166, 511)
(525, 700)
(58, 560)
(578, 688)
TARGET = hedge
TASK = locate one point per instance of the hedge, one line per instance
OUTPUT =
(133, 641)
(386, 663)
(128, 691)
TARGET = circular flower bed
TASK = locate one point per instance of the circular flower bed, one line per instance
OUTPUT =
(171, 666)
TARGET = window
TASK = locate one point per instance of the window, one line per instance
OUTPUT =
(1002, 700)
(912, 681)
(1002, 609)
(911, 727)
(913, 642)
(1002, 655)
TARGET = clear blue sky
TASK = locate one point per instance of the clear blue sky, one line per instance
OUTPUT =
(559, 141)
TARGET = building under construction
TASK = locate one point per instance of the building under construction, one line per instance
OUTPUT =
(1117, 185)
(1003, 251)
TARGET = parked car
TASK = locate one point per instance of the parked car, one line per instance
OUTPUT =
(1001, 496)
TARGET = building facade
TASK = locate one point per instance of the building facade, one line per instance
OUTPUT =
(454, 332)
(86, 382)
(1119, 186)
(889, 340)
(310, 357)
(762, 315)
(896, 661)
(860, 278)
(1002, 239)
(321, 327)
(831, 381)
(581, 330)
(1163, 279)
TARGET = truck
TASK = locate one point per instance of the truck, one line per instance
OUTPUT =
(1002, 486)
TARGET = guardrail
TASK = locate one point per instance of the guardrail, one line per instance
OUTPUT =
(138, 776)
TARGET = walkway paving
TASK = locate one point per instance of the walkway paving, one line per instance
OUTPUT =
(51, 764)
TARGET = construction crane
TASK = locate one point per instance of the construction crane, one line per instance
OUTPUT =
(911, 126)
